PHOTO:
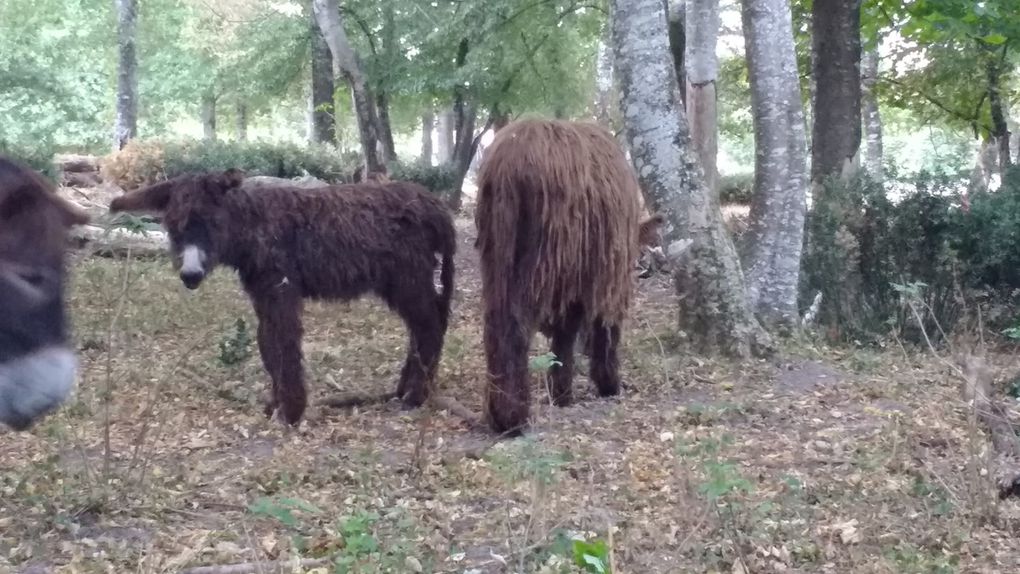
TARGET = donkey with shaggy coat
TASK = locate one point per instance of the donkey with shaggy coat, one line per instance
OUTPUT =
(558, 223)
(37, 365)
(333, 243)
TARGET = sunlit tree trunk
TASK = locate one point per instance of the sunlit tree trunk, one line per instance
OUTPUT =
(209, 115)
(428, 124)
(241, 121)
(382, 100)
(322, 128)
(702, 32)
(446, 128)
(773, 245)
(346, 65)
(714, 309)
(873, 154)
(836, 43)
(607, 94)
(125, 125)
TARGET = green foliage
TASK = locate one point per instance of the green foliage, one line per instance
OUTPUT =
(736, 188)
(542, 363)
(143, 162)
(593, 556)
(282, 509)
(38, 157)
(235, 348)
(439, 179)
(524, 459)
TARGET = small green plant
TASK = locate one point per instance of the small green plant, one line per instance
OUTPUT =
(235, 348)
(529, 462)
(282, 509)
(592, 556)
(542, 363)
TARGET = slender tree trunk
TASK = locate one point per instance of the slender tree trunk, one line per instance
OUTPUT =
(323, 124)
(702, 32)
(713, 307)
(985, 165)
(836, 43)
(125, 125)
(464, 117)
(241, 121)
(346, 65)
(772, 247)
(446, 137)
(678, 43)
(389, 149)
(1000, 127)
(209, 116)
(873, 155)
(428, 123)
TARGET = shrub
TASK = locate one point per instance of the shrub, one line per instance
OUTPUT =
(440, 179)
(144, 162)
(39, 158)
(736, 188)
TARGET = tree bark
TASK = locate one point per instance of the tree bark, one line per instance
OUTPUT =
(713, 307)
(389, 149)
(209, 116)
(873, 154)
(346, 65)
(606, 100)
(1000, 128)
(702, 67)
(464, 143)
(836, 44)
(322, 127)
(446, 135)
(773, 244)
(428, 123)
(125, 125)
(677, 12)
(241, 121)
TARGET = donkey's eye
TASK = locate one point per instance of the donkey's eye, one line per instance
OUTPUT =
(33, 278)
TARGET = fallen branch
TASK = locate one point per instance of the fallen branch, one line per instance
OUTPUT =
(450, 404)
(355, 400)
(250, 567)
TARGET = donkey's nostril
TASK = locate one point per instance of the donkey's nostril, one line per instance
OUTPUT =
(192, 279)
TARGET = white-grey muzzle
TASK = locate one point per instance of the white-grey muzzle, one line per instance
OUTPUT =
(35, 384)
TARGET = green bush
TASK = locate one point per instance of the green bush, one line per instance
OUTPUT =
(39, 158)
(439, 179)
(143, 162)
(736, 188)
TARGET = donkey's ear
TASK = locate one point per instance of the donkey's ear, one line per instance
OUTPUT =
(648, 230)
(230, 179)
(151, 199)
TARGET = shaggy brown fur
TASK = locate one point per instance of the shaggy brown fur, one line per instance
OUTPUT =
(37, 367)
(334, 243)
(557, 217)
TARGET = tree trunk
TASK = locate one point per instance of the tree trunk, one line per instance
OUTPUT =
(241, 121)
(346, 65)
(605, 90)
(209, 116)
(389, 149)
(125, 125)
(1000, 128)
(873, 154)
(322, 127)
(772, 247)
(713, 306)
(836, 43)
(446, 135)
(677, 13)
(464, 144)
(428, 124)
(702, 66)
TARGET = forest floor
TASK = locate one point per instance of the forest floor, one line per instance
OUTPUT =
(818, 460)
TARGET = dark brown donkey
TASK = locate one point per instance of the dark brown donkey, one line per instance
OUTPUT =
(37, 367)
(335, 243)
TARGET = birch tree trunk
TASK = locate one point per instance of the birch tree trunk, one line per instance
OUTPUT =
(773, 245)
(428, 123)
(713, 300)
(322, 126)
(346, 65)
(446, 129)
(607, 93)
(208, 114)
(873, 154)
(836, 44)
(125, 126)
(702, 66)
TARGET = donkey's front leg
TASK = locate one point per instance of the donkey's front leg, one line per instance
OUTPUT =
(279, 336)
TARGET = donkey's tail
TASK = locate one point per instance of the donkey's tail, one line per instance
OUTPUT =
(448, 246)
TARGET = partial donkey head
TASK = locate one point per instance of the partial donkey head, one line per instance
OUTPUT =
(192, 211)
(37, 366)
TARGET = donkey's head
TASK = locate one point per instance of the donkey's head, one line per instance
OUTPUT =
(194, 216)
(37, 367)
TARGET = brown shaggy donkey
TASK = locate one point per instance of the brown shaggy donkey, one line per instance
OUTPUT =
(335, 243)
(558, 220)
(37, 365)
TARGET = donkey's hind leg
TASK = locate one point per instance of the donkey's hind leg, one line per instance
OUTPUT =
(605, 365)
(561, 373)
(421, 315)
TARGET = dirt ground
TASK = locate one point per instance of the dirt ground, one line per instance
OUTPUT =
(818, 460)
